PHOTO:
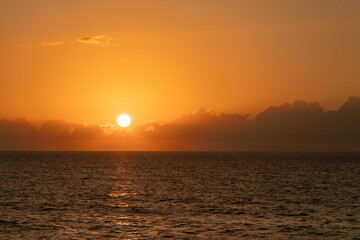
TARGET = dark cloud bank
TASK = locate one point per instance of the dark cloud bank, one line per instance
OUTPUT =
(299, 126)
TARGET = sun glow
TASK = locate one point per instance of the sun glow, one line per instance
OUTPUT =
(124, 120)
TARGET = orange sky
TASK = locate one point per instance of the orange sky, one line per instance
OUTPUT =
(90, 60)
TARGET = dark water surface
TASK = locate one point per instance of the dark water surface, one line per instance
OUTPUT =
(152, 195)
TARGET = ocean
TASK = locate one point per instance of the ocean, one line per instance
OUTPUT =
(179, 195)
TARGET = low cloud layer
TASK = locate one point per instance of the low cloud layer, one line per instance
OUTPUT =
(299, 126)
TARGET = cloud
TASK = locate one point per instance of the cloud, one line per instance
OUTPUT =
(99, 40)
(297, 126)
(53, 134)
(52, 43)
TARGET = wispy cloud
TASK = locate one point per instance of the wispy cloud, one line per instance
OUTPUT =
(100, 40)
(52, 43)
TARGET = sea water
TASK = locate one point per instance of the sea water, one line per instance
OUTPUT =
(179, 195)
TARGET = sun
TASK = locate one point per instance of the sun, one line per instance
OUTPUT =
(124, 120)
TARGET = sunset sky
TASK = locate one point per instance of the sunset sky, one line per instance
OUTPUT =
(88, 61)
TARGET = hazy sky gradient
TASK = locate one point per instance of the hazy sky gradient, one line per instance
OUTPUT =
(90, 60)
